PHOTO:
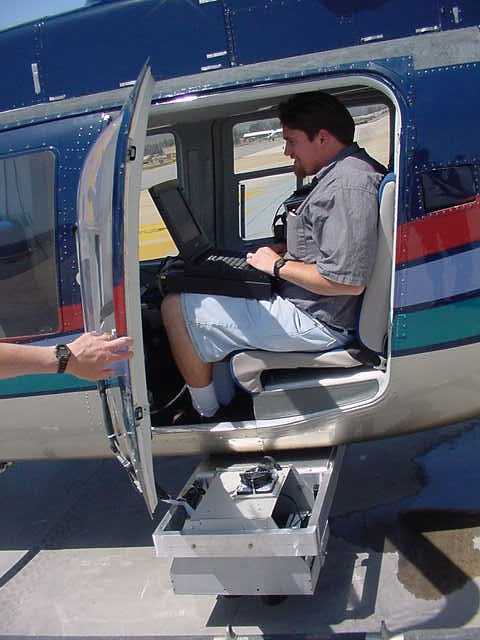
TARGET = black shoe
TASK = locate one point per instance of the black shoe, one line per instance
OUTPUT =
(162, 415)
(182, 412)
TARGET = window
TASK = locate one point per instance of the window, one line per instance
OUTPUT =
(448, 187)
(159, 165)
(28, 275)
(260, 198)
(263, 175)
(372, 131)
(258, 145)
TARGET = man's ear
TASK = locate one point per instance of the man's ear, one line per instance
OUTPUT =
(323, 136)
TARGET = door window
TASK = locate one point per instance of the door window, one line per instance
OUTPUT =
(28, 274)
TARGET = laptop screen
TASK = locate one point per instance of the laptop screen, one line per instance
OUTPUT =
(179, 220)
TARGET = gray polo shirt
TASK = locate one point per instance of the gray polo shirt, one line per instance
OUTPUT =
(336, 229)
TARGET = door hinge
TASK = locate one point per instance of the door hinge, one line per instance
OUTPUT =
(138, 413)
(132, 153)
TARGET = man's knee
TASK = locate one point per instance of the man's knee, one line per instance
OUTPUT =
(171, 309)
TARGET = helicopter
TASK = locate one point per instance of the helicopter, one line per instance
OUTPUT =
(82, 140)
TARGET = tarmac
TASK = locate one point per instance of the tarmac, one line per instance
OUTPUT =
(76, 554)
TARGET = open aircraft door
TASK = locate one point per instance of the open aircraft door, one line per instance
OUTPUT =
(107, 243)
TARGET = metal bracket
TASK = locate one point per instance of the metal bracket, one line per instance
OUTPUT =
(36, 78)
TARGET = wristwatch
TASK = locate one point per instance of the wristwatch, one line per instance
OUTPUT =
(62, 353)
(278, 265)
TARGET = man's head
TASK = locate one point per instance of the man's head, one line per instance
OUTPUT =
(316, 126)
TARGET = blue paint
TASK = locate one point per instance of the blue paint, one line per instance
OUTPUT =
(265, 31)
(18, 51)
(440, 279)
(442, 137)
(98, 47)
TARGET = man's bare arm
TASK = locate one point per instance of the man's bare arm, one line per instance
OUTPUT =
(92, 357)
(301, 274)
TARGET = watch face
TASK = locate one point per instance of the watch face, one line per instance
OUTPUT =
(63, 354)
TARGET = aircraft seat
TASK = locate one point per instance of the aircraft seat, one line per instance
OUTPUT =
(249, 368)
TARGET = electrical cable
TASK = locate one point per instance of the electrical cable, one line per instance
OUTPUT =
(297, 509)
(170, 402)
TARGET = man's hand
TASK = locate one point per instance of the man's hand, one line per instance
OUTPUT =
(93, 355)
(263, 259)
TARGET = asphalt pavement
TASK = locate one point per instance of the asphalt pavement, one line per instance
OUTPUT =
(76, 554)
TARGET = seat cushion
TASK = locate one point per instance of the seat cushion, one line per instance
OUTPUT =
(248, 366)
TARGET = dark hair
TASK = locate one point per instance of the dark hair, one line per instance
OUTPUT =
(317, 110)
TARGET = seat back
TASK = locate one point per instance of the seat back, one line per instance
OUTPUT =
(374, 312)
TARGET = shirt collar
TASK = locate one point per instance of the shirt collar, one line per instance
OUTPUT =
(341, 155)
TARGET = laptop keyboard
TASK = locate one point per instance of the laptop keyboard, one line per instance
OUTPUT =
(233, 262)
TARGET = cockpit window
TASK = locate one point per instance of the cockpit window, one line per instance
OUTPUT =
(28, 274)
(159, 165)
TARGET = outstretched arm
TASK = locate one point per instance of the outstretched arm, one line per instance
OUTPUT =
(92, 357)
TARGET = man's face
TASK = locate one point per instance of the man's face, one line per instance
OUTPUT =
(308, 155)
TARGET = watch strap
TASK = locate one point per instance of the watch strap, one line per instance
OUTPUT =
(277, 266)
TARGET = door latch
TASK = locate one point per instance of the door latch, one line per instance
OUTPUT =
(132, 152)
(138, 413)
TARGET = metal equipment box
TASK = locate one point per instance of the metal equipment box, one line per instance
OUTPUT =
(270, 541)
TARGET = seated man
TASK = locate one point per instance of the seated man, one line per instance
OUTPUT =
(330, 254)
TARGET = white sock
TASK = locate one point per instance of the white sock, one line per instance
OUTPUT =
(204, 399)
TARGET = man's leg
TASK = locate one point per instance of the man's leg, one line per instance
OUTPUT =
(196, 373)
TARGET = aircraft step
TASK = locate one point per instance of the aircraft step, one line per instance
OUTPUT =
(251, 526)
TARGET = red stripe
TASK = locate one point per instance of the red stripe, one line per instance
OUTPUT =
(447, 229)
(71, 318)
(120, 309)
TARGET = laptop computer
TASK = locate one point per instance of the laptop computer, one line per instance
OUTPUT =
(204, 269)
